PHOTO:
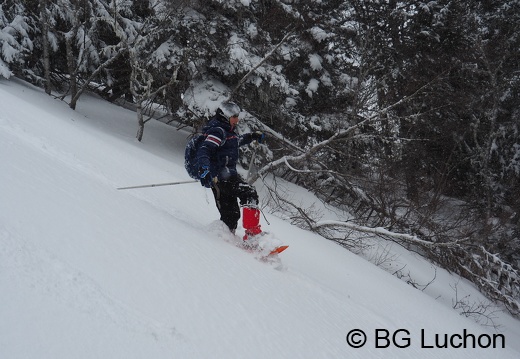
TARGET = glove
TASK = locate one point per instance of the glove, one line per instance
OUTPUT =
(258, 136)
(205, 177)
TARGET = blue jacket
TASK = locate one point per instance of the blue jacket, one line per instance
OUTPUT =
(220, 149)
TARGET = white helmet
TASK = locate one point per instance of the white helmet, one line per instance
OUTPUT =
(229, 109)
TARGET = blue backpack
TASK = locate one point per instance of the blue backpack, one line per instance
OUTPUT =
(191, 162)
(190, 155)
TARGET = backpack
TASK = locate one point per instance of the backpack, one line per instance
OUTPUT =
(190, 155)
(191, 162)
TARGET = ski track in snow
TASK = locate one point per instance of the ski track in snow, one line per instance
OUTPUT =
(71, 160)
(48, 276)
(45, 146)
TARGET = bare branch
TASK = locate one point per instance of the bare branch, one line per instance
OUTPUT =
(94, 74)
(341, 134)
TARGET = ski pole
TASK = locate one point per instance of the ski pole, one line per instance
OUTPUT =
(159, 184)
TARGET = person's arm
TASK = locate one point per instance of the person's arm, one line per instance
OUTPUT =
(214, 138)
(250, 137)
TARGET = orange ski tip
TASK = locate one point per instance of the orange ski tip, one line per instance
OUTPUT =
(279, 249)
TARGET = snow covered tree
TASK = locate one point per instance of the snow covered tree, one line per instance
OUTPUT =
(16, 30)
(492, 144)
(155, 57)
(453, 62)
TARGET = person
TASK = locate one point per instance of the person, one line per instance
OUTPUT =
(217, 158)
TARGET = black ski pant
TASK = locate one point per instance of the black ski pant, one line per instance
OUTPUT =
(227, 193)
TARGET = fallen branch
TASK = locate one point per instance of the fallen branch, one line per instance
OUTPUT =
(380, 231)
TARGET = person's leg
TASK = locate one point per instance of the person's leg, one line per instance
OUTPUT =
(226, 201)
(250, 212)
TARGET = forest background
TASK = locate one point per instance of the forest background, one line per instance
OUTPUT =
(403, 114)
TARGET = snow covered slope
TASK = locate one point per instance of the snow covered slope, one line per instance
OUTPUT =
(87, 271)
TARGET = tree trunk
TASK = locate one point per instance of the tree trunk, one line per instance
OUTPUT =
(72, 72)
(140, 120)
(45, 43)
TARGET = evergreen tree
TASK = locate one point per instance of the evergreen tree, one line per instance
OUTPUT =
(17, 31)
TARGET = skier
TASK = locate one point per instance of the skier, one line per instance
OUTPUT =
(217, 158)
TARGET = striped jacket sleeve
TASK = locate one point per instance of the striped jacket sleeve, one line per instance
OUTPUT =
(215, 138)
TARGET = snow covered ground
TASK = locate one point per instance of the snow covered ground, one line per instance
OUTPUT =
(87, 271)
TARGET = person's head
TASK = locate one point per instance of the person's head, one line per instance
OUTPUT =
(230, 111)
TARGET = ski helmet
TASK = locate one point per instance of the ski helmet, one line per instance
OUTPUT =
(229, 109)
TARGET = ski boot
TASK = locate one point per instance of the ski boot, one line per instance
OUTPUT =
(251, 224)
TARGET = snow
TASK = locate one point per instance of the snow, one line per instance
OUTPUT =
(163, 53)
(315, 61)
(312, 87)
(207, 95)
(4, 70)
(318, 33)
(87, 271)
(252, 30)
